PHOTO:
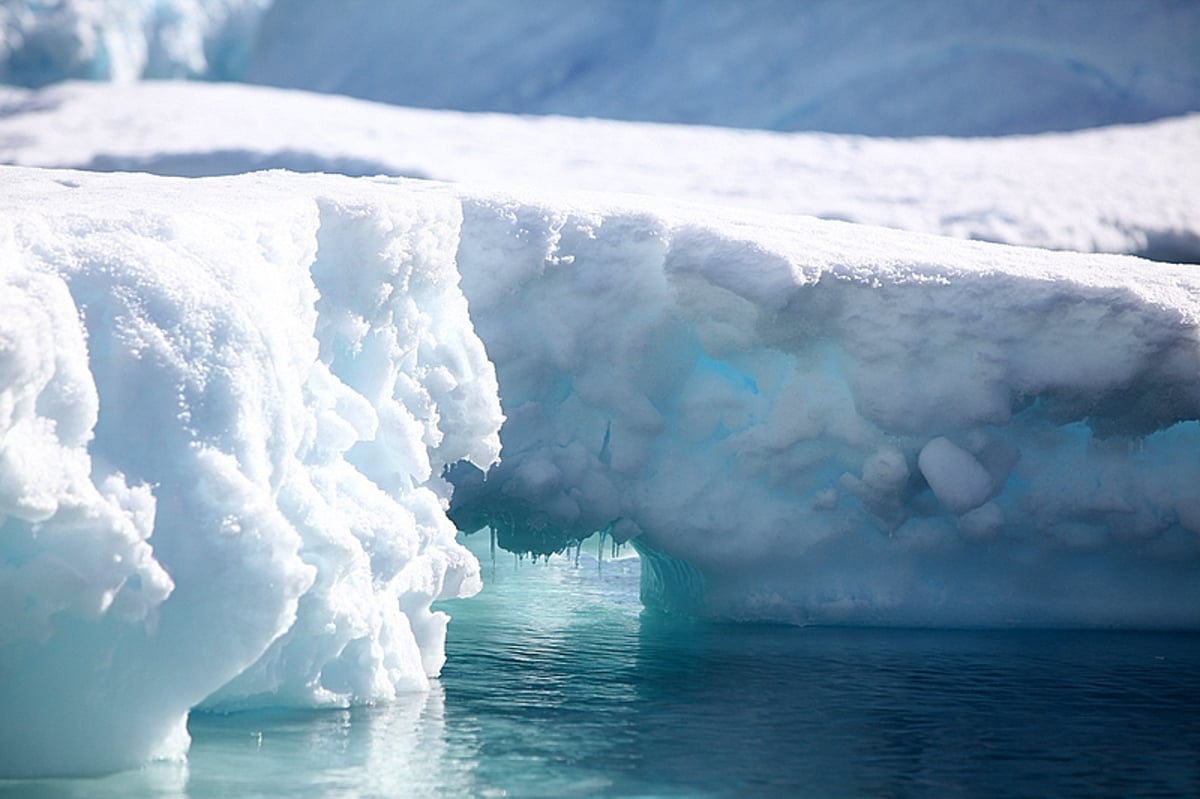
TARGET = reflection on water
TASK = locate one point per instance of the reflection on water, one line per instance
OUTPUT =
(557, 686)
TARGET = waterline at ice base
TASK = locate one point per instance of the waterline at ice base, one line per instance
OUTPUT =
(238, 415)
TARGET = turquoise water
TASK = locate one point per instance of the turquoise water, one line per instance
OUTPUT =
(558, 686)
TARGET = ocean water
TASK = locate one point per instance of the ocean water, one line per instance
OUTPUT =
(558, 685)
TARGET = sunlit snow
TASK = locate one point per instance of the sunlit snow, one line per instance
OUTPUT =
(224, 412)
(1124, 189)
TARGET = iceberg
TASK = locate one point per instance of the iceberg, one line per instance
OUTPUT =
(239, 413)
(926, 67)
(243, 419)
(225, 408)
(814, 422)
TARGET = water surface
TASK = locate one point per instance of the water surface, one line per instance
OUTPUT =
(557, 685)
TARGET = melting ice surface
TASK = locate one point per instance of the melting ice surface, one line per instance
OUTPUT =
(227, 406)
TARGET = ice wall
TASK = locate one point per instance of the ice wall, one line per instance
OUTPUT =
(809, 421)
(224, 409)
(226, 406)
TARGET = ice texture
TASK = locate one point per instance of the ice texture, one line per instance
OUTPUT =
(124, 40)
(831, 423)
(225, 408)
(966, 68)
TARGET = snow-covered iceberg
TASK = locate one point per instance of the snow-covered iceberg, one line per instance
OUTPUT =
(225, 407)
(237, 415)
(809, 421)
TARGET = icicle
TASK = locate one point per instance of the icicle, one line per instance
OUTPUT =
(600, 552)
(492, 533)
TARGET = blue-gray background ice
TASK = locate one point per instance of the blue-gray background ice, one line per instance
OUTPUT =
(874, 67)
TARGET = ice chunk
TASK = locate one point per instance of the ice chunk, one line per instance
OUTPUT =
(224, 410)
(958, 480)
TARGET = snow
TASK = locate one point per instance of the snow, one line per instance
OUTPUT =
(1124, 189)
(835, 423)
(224, 413)
(964, 68)
(924, 67)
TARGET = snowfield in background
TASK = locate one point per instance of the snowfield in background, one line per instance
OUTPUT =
(1128, 189)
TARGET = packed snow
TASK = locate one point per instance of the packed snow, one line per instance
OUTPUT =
(225, 408)
(1126, 189)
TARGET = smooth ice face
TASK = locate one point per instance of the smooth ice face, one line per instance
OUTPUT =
(876, 68)
(816, 422)
(224, 410)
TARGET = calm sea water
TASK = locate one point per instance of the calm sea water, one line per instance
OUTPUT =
(558, 686)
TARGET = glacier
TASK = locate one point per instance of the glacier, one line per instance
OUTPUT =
(239, 414)
(124, 40)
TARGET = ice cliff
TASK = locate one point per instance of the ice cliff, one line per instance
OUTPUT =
(227, 406)
(809, 421)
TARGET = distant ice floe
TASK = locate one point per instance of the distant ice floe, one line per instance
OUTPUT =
(1124, 189)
